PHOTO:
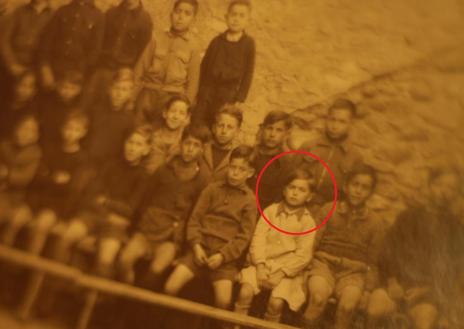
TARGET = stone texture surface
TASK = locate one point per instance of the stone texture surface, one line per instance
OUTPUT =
(401, 61)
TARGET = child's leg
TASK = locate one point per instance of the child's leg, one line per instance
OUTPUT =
(274, 309)
(319, 291)
(135, 250)
(108, 249)
(43, 223)
(75, 232)
(223, 293)
(423, 316)
(244, 299)
(20, 217)
(164, 255)
(379, 306)
(349, 298)
(178, 279)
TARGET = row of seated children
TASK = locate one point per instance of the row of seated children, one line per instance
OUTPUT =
(221, 225)
(79, 38)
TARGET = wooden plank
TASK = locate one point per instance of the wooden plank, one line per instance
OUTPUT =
(130, 292)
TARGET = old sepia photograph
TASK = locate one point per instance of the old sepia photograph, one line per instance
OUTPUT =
(231, 164)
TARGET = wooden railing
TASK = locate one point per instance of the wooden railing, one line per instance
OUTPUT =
(96, 284)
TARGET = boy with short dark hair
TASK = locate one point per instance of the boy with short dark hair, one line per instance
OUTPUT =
(273, 134)
(219, 231)
(19, 159)
(228, 66)
(277, 260)
(167, 137)
(335, 149)
(173, 190)
(112, 120)
(225, 130)
(347, 247)
(169, 65)
(71, 40)
(110, 203)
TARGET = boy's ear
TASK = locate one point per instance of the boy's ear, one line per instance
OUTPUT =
(251, 172)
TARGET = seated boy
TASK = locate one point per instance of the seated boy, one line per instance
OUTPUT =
(345, 261)
(60, 180)
(219, 231)
(166, 139)
(272, 137)
(225, 130)
(421, 261)
(19, 159)
(112, 120)
(335, 149)
(173, 190)
(169, 65)
(110, 203)
(228, 66)
(277, 259)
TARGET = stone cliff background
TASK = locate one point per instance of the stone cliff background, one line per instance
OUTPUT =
(401, 61)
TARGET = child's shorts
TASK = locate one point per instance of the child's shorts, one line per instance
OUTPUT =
(97, 223)
(292, 290)
(150, 247)
(227, 271)
(338, 272)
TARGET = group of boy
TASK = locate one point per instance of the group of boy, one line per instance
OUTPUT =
(96, 141)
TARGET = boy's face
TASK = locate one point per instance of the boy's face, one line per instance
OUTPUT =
(297, 193)
(121, 92)
(238, 17)
(225, 129)
(68, 91)
(359, 189)
(239, 171)
(176, 116)
(73, 131)
(443, 189)
(338, 123)
(191, 149)
(182, 17)
(274, 135)
(26, 88)
(135, 148)
(27, 132)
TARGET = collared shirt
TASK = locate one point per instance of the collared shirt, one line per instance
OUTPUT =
(223, 220)
(127, 33)
(280, 251)
(21, 34)
(73, 37)
(340, 157)
(170, 62)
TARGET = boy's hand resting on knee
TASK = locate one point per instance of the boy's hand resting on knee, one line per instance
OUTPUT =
(274, 280)
(215, 261)
(262, 275)
(200, 255)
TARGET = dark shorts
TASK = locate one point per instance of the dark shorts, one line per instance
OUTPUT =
(227, 271)
(98, 223)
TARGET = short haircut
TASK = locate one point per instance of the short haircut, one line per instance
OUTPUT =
(363, 169)
(277, 116)
(146, 131)
(303, 172)
(231, 110)
(72, 76)
(179, 98)
(197, 131)
(243, 152)
(78, 114)
(344, 104)
(234, 3)
(193, 3)
(123, 74)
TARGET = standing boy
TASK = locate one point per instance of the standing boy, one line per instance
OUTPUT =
(219, 231)
(277, 260)
(225, 130)
(228, 66)
(169, 65)
(347, 247)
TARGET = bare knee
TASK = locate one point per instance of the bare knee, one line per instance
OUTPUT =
(423, 316)
(75, 232)
(246, 294)
(45, 221)
(21, 216)
(275, 305)
(379, 305)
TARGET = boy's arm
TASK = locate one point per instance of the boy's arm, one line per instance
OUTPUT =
(194, 235)
(258, 242)
(144, 62)
(47, 38)
(144, 34)
(373, 252)
(7, 52)
(193, 75)
(235, 247)
(205, 66)
(248, 74)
